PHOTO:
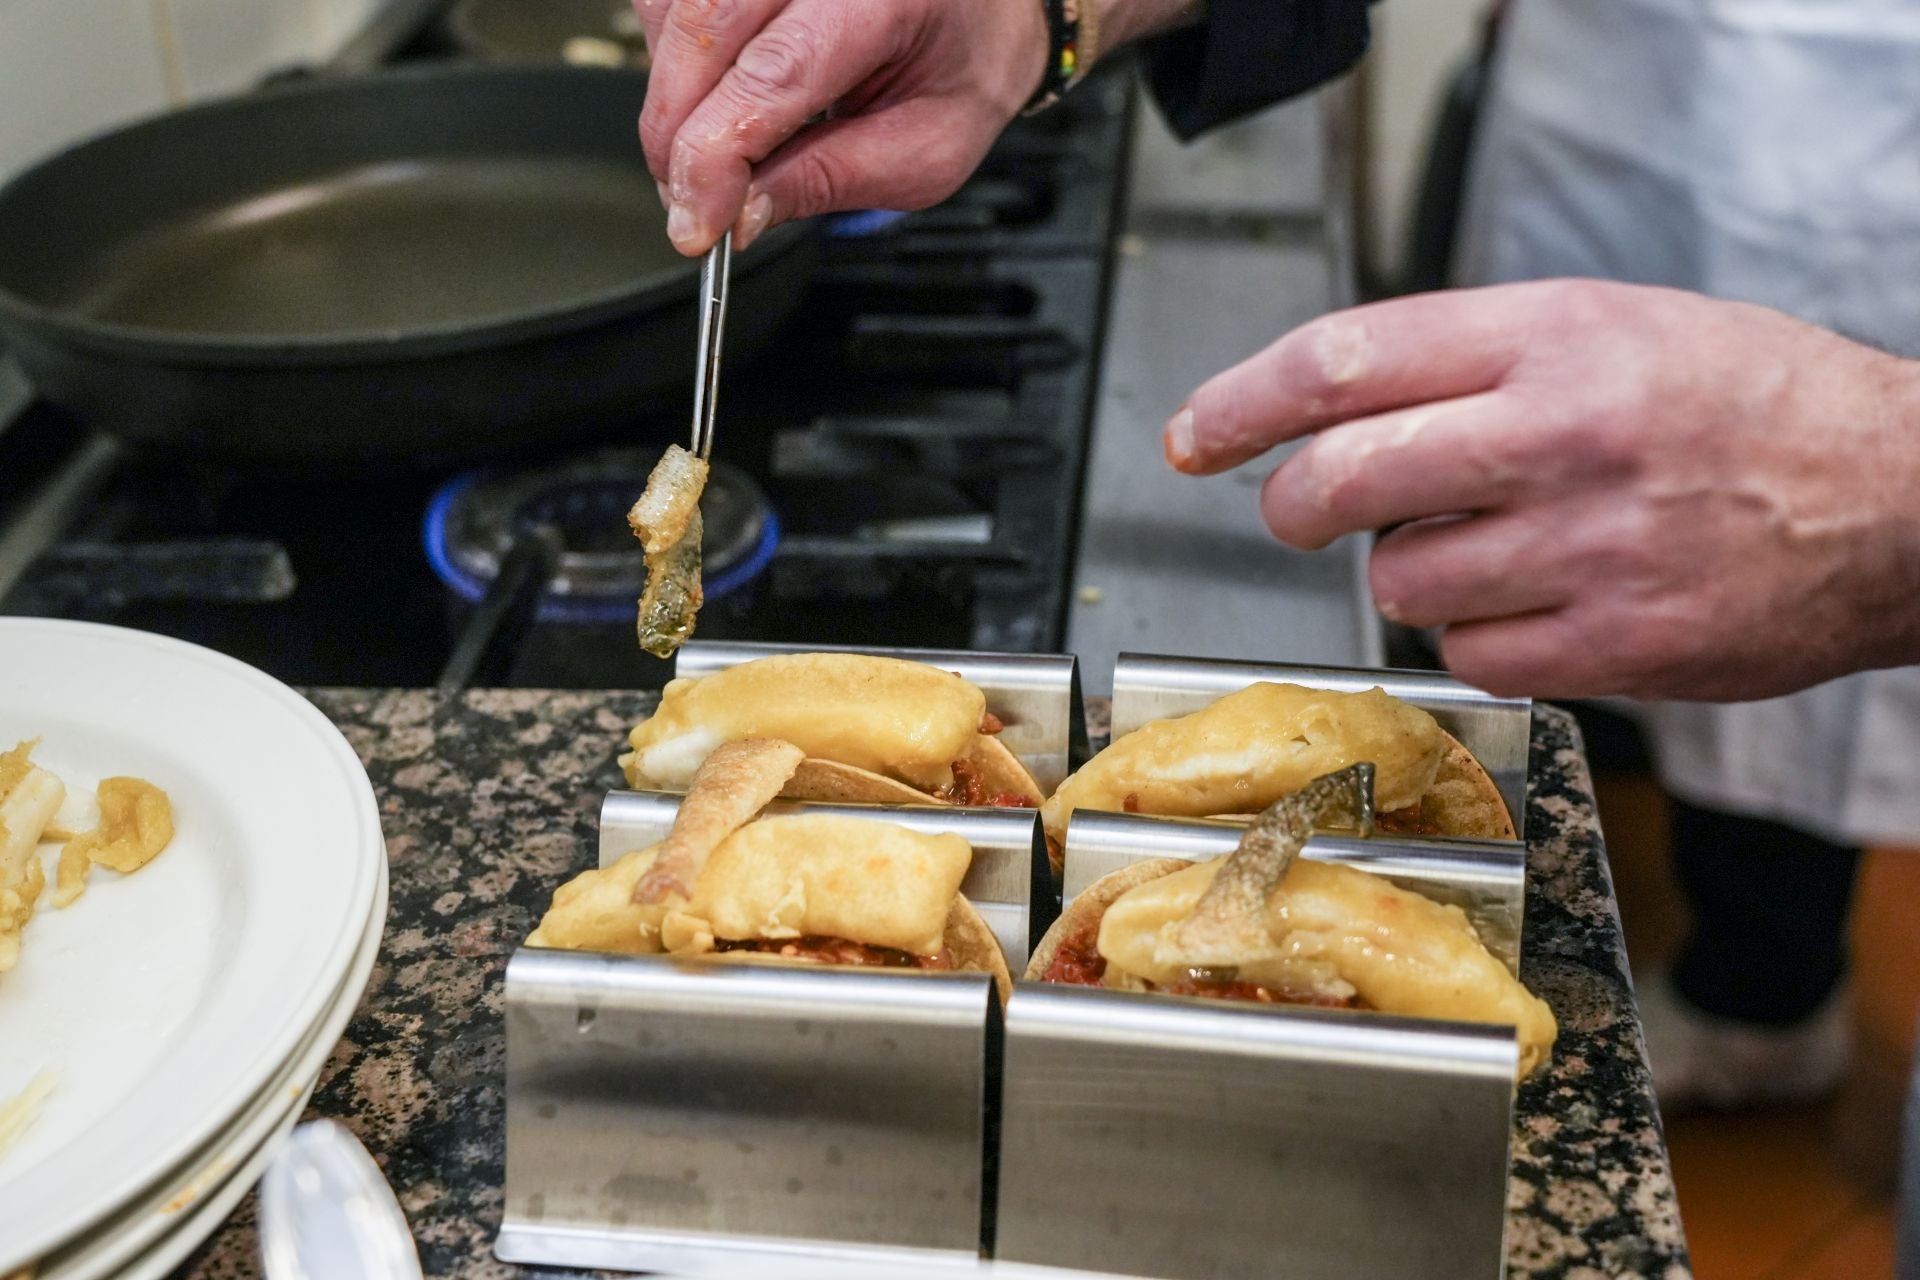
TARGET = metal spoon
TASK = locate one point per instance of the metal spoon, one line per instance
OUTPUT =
(328, 1213)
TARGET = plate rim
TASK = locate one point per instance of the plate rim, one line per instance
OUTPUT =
(263, 1124)
(48, 1232)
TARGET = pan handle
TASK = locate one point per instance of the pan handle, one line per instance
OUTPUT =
(484, 653)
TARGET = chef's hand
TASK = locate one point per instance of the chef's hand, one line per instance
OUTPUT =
(918, 90)
(1611, 489)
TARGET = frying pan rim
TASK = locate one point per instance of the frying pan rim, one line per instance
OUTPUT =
(353, 347)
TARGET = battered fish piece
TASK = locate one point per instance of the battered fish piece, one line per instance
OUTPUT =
(666, 519)
(1243, 752)
(805, 889)
(816, 875)
(902, 720)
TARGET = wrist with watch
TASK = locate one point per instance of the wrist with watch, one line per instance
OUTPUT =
(1075, 29)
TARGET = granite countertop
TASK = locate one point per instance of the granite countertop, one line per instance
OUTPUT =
(491, 800)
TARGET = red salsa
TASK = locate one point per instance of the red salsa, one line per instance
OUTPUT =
(840, 951)
(969, 789)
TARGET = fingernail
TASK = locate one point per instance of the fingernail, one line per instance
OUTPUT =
(1178, 440)
(666, 199)
(753, 220)
(683, 228)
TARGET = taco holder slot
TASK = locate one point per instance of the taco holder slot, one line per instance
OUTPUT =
(684, 1116)
(1498, 731)
(1188, 1139)
(1036, 695)
(1314, 1123)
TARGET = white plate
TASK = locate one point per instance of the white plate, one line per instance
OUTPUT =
(173, 1249)
(169, 1208)
(165, 1001)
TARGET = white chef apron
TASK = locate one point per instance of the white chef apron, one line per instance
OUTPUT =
(1763, 150)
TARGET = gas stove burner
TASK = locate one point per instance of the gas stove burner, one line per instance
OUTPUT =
(472, 521)
(864, 222)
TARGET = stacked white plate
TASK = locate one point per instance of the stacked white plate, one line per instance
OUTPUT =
(184, 1012)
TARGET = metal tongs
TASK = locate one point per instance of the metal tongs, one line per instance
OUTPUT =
(714, 276)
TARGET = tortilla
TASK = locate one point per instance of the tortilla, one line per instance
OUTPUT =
(1463, 801)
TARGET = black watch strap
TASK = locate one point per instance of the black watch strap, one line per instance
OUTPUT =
(1063, 52)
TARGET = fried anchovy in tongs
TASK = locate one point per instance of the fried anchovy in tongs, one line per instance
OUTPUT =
(1229, 922)
(666, 519)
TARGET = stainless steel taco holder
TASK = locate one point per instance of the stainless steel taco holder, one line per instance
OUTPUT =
(1036, 695)
(1497, 731)
(741, 1120)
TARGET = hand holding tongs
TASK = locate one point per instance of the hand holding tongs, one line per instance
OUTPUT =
(714, 274)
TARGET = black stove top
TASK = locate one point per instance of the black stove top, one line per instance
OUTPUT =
(904, 468)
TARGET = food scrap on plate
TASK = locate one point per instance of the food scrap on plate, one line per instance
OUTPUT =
(19, 1112)
(135, 826)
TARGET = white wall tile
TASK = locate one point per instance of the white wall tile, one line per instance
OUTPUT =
(70, 68)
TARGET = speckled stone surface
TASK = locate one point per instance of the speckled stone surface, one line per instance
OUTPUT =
(489, 801)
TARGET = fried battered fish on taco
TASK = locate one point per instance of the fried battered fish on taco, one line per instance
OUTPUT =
(1333, 936)
(804, 889)
(873, 730)
(1250, 748)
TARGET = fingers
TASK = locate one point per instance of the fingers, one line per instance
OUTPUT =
(854, 164)
(1452, 457)
(1389, 355)
(1540, 655)
(805, 58)
(1440, 573)
(693, 42)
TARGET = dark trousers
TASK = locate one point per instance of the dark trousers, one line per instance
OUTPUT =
(1770, 907)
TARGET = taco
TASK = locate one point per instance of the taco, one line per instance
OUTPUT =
(1333, 936)
(803, 889)
(873, 731)
(1236, 756)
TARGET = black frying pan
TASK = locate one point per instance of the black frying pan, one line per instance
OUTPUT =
(421, 264)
